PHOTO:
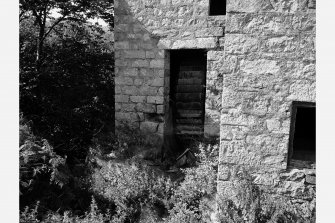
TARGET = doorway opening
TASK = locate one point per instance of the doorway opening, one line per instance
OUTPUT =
(187, 94)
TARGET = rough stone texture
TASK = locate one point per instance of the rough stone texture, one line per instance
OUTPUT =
(260, 58)
(269, 61)
(145, 32)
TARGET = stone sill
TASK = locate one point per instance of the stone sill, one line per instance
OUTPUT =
(301, 164)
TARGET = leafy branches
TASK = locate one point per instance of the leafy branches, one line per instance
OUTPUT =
(44, 11)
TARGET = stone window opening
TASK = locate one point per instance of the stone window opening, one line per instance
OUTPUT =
(302, 144)
(217, 7)
(187, 95)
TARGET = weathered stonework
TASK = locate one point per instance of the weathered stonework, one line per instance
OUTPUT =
(145, 32)
(260, 58)
(269, 61)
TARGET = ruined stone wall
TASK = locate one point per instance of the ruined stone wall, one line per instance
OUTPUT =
(269, 62)
(145, 31)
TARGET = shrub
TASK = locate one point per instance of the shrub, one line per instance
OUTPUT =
(250, 203)
(132, 186)
(46, 177)
(193, 198)
(40, 166)
(92, 216)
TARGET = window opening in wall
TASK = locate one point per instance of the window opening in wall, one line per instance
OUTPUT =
(217, 7)
(303, 132)
(187, 94)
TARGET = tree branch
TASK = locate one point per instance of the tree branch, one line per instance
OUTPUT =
(38, 18)
(53, 26)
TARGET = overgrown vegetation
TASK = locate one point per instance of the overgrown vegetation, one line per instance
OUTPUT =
(74, 169)
(66, 72)
(66, 99)
(124, 187)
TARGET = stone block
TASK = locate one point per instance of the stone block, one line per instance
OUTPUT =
(158, 72)
(254, 5)
(126, 72)
(146, 108)
(259, 67)
(241, 44)
(121, 98)
(185, 44)
(149, 54)
(228, 132)
(160, 129)
(119, 45)
(302, 90)
(138, 99)
(155, 99)
(126, 116)
(157, 82)
(159, 63)
(123, 81)
(121, 63)
(138, 81)
(209, 42)
(208, 32)
(128, 107)
(146, 46)
(273, 124)
(118, 106)
(224, 172)
(147, 90)
(117, 90)
(215, 55)
(134, 54)
(130, 90)
(229, 64)
(160, 109)
(164, 44)
(261, 24)
(140, 63)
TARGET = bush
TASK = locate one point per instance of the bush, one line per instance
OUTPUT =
(192, 201)
(251, 203)
(92, 216)
(127, 188)
(40, 166)
(46, 177)
(132, 187)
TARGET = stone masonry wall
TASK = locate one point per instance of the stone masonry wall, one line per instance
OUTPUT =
(269, 61)
(145, 31)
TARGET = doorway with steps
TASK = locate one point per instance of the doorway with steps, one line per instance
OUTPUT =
(187, 95)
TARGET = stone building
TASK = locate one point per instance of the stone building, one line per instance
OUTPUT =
(243, 70)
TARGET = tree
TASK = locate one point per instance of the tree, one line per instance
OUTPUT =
(66, 72)
(68, 10)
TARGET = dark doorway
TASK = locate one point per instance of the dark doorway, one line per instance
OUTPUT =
(303, 131)
(188, 87)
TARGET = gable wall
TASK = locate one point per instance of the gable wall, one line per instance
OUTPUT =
(269, 62)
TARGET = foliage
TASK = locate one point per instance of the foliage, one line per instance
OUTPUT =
(69, 93)
(130, 190)
(250, 203)
(45, 176)
(92, 216)
(42, 12)
(191, 201)
(132, 187)
(139, 190)
(38, 162)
